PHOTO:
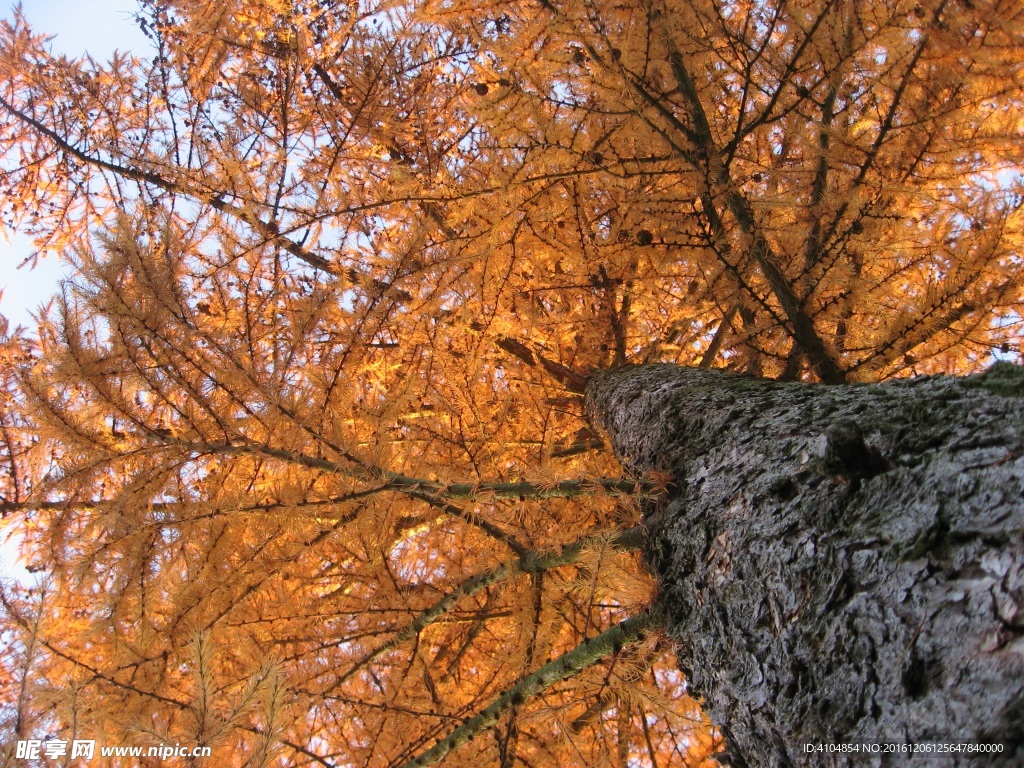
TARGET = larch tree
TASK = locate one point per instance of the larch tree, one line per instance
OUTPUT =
(301, 446)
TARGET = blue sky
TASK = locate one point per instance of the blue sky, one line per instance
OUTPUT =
(97, 27)
(94, 26)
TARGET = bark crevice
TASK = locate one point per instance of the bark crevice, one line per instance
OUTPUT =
(841, 564)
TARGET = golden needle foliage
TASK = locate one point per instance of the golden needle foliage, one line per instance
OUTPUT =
(300, 447)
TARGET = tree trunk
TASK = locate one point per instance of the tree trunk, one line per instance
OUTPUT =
(841, 565)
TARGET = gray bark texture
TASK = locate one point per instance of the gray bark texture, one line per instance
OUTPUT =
(841, 565)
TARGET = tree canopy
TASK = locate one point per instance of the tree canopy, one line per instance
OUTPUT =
(299, 447)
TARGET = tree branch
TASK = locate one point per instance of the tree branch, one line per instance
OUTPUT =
(567, 377)
(586, 654)
(803, 330)
(266, 229)
(529, 562)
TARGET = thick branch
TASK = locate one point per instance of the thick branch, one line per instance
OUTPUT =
(392, 481)
(803, 330)
(567, 377)
(529, 562)
(266, 507)
(719, 338)
(587, 653)
(812, 248)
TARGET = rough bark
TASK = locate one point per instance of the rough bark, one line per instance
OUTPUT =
(840, 564)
